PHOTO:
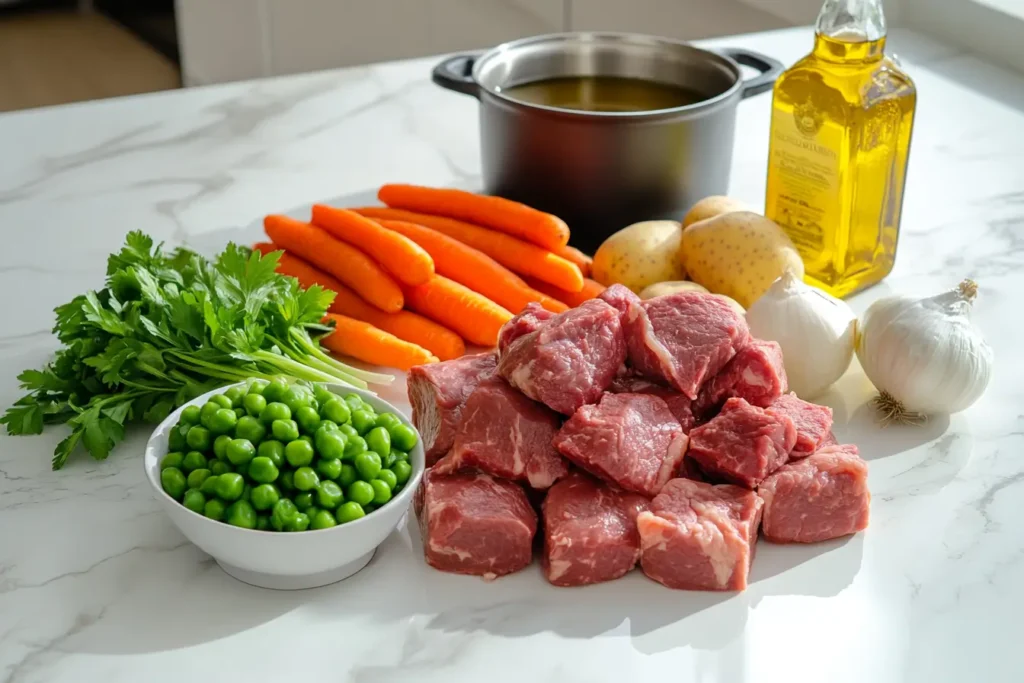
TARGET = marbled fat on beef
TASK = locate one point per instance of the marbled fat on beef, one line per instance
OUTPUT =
(755, 374)
(530, 319)
(813, 423)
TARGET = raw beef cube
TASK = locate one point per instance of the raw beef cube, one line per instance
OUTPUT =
(743, 444)
(619, 297)
(437, 392)
(571, 360)
(632, 440)
(475, 524)
(820, 497)
(829, 440)
(699, 536)
(589, 531)
(528, 320)
(813, 423)
(684, 338)
(755, 374)
(506, 434)
(680, 405)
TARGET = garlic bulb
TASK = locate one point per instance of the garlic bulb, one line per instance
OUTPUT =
(924, 355)
(815, 330)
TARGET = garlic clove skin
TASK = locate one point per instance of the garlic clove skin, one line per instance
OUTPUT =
(926, 353)
(816, 331)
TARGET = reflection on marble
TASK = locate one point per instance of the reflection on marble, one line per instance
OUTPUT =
(96, 585)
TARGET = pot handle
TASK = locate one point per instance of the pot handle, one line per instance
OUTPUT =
(456, 73)
(770, 70)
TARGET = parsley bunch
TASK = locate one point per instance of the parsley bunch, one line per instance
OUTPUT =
(165, 329)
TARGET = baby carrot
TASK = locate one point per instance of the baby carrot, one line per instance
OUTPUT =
(351, 266)
(404, 259)
(518, 256)
(473, 268)
(411, 327)
(476, 318)
(590, 290)
(363, 341)
(582, 261)
(503, 215)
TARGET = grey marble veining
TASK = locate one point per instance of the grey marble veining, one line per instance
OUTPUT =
(96, 585)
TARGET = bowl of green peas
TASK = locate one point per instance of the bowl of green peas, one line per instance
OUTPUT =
(287, 485)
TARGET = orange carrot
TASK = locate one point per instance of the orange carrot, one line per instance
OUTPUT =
(590, 290)
(476, 318)
(504, 215)
(437, 339)
(365, 342)
(473, 268)
(582, 261)
(404, 259)
(518, 256)
(351, 266)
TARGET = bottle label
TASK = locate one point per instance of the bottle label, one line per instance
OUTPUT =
(804, 178)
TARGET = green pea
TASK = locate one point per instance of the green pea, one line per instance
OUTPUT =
(369, 508)
(322, 394)
(298, 453)
(242, 514)
(404, 437)
(347, 476)
(254, 404)
(256, 386)
(197, 476)
(221, 400)
(262, 522)
(174, 459)
(388, 460)
(322, 520)
(214, 509)
(209, 487)
(287, 481)
(387, 420)
(299, 523)
(296, 397)
(360, 492)
(336, 410)
(173, 481)
(176, 439)
(381, 492)
(328, 468)
(190, 415)
(235, 395)
(331, 444)
(220, 445)
(363, 420)
(240, 451)
(219, 467)
(194, 500)
(250, 428)
(275, 390)
(264, 496)
(243, 469)
(263, 470)
(223, 421)
(354, 447)
(379, 441)
(207, 411)
(275, 411)
(389, 478)
(283, 512)
(354, 401)
(194, 460)
(230, 486)
(198, 438)
(311, 512)
(284, 430)
(348, 430)
(349, 512)
(246, 492)
(329, 494)
(306, 479)
(239, 413)
(368, 465)
(402, 470)
(308, 419)
(304, 500)
(400, 456)
(326, 425)
(272, 449)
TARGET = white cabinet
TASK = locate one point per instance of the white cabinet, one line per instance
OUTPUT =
(680, 19)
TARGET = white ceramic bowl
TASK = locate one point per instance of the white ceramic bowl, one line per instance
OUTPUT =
(304, 559)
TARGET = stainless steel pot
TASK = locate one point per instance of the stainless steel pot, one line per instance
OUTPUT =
(601, 171)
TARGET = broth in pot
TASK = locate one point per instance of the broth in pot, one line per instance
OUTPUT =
(604, 94)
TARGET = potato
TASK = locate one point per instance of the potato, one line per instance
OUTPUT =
(671, 287)
(738, 254)
(640, 255)
(709, 207)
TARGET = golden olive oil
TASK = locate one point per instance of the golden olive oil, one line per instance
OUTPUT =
(604, 94)
(840, 139)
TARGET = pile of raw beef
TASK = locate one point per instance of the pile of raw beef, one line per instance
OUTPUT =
(654, 431)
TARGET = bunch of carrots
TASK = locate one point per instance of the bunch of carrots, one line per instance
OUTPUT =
(430, 271)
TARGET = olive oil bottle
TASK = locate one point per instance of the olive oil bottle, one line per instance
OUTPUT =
(840, 139)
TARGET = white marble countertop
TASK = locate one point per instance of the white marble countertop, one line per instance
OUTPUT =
(97, 585)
